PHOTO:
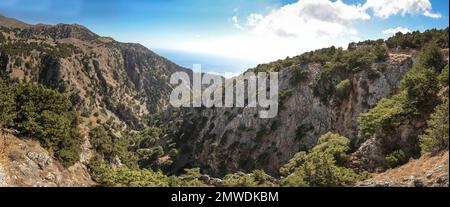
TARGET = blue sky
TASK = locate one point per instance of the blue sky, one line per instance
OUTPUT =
(235, 34)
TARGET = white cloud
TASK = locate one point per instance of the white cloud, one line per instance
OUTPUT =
(236, 24)
(432, 15)
(393, 31)
(287, 31)
(311, 17)
(386, 8)
(254, 19)
(299, 27)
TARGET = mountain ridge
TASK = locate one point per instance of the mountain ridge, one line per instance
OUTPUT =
(136, 61)
(121, 91)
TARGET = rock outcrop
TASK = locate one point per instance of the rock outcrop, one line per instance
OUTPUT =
(26, 163)
(428, 171)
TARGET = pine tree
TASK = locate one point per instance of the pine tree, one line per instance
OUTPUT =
(6, 105)
(436, 137)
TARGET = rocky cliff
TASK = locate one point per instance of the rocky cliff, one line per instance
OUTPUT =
(232, 140)
(319, 93)
(26, 164)
(126, 86)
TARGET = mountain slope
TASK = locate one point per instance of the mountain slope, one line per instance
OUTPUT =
(12, 23)
(321, 91)
(108, 82)
(121, 91)
(119, 80)
(427, 171)
(248, 142)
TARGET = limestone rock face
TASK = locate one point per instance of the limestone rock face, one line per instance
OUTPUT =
(120, 84)
(26, 163)
(229, 140)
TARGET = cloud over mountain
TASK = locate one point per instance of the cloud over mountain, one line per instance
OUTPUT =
(386, 8)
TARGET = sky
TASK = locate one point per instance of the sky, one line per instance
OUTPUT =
(233, 35)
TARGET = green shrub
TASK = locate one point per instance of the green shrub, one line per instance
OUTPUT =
(334, 144)
(320, 170)
(147, 138)
(60, 132)
(358, 59)
(421, 83)
(343, 65)
(173, 152)
(436, 137)
(384, 118)
(126, 177)
(299, 76)
(293, 164)
(373, 75)
(417, 39)
(380, 53)
(443, 77)
(396, 158)
(325, 82)
(100, 140)
(110, 147)
(7, 109)
(422, 89)
(149, 157)
(258, 178)
(322, 166)
(295, 180)
(343, 89)
(47, 115)
(189, 179)
(430, 57)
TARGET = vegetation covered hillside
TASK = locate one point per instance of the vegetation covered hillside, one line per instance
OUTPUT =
(101, 107)
(378, 90)
(322, 91)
